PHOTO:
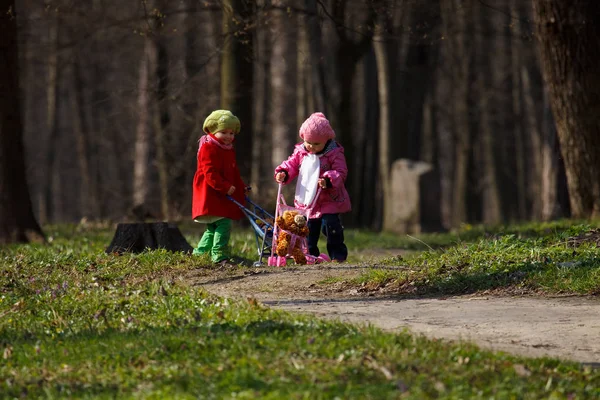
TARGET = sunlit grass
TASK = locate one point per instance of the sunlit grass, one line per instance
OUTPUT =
(126, 328)
(76, 322)
(528, 258)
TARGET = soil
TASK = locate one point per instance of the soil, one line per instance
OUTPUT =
(564, 327)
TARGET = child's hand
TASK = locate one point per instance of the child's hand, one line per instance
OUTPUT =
(323, 183)
(231, 190)
(280, 177)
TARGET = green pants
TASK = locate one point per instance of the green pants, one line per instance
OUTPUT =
(215, 240)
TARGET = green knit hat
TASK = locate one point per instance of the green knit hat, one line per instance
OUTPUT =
(219, 120)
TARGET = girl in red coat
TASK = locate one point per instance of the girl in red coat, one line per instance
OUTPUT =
(217, 176)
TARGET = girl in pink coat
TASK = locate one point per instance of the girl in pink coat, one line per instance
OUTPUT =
(319, 163)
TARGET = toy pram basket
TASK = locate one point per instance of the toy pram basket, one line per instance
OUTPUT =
(281, 207)
(263, 225)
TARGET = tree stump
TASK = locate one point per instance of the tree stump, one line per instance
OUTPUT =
(137, 237)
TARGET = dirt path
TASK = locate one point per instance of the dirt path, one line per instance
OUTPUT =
(563, 327)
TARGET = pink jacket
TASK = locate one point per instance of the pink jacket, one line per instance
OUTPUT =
(332, 200)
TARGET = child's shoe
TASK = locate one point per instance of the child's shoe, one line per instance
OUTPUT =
(323, 258)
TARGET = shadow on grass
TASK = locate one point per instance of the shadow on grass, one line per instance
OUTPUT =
(264, 270)
(525, 278)
(464, 284)
(170, 338)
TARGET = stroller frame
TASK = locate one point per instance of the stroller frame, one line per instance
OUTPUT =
(259, 219)
(265, 231)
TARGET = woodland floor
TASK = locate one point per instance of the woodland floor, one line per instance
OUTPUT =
(565, 327)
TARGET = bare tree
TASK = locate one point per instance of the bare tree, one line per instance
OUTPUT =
(316, 71)
(261, 170)
(83, 69)
(454, 16)
(46, 207)
(352, 23)
(88, 194)
(143, 140)
(383, 84)
(283, 75)
(569, 37)
(490, 196)
(304, 103)
(443, 126)
(237, 73)
(17, 222)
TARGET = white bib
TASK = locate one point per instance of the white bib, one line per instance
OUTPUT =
(308, 178)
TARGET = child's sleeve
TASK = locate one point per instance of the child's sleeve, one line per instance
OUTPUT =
(338, 172)
(291, 167)
(212, 171)
(240, 187)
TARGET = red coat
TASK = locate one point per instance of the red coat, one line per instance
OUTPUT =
(216, 172)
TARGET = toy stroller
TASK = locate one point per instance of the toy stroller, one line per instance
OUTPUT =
(281, 261)
(262, 224)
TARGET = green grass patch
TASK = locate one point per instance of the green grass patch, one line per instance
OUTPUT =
(157, 340)
(331, 280)
(540, 260)
(78, 323)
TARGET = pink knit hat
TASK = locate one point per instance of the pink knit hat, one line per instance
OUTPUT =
(316, 129)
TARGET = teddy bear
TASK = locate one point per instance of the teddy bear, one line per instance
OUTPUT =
(291, 223)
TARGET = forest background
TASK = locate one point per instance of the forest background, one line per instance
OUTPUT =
(113, 96)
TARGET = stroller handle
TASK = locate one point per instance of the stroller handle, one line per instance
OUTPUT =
(276, 215)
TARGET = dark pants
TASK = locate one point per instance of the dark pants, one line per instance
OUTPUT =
(332, 228)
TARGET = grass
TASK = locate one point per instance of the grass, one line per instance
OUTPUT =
(78, 323)
(527, 259)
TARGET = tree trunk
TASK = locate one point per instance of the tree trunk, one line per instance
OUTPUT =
(17, 222)
(490, 196)
(368, 205)
(383, 84)
(174, 122)
(445, 139)
(165, 122)
(46, 207)
(569, 38)
(526, 169)
(261, 171)
(283, 74)
(428, 142)
(237, 75)
(537, 147)
(303, 109)
(410, 74)
(347, 54)
(455, 21)
(549, 203)
(141, 166)
(203, 44)
(162, 165)
(88, 194)
(317, 73)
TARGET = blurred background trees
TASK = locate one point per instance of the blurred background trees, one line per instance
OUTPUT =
(114, 95)
(17, 221)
